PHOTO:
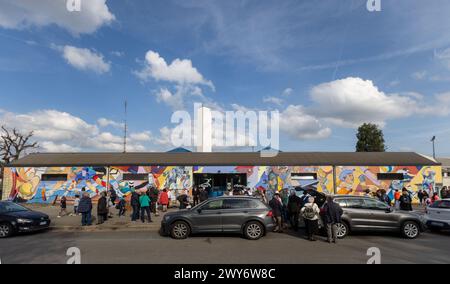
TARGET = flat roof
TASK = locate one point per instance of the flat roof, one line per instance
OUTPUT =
(225, 159)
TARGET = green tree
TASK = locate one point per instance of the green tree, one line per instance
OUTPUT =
(370, 138)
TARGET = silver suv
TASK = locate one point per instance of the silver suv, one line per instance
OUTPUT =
(230, 214)
(369, 214)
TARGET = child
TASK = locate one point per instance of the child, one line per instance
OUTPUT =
(76, 202)
(121, 207)
(63, 204)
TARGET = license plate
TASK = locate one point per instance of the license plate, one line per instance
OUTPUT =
(43, 223)
(437, 224)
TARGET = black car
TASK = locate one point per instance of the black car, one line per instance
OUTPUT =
(227, 214)
(15, 218)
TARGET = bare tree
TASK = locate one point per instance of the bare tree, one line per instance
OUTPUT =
(13, 144)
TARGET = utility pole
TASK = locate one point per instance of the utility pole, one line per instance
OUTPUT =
(432, 141)
(125, 129)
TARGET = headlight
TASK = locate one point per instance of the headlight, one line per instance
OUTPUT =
(24, 221)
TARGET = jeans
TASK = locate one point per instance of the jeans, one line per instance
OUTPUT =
(86, 218)
(293, 218)
(122, 211)
(102, 218)
(135, 213)
(278, 224)
(143, 211)
(331, 232)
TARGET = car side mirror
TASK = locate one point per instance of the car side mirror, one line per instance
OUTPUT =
(389, 209)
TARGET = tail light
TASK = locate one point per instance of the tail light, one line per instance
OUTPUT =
(269, 214)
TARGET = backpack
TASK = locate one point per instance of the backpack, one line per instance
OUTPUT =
(309, 212)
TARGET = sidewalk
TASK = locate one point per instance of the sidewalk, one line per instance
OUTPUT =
(73, 223)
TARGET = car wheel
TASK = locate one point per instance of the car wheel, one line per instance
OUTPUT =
(410, 230)
(180, 230)
(341, 230)
(253, 230)
(6, 230)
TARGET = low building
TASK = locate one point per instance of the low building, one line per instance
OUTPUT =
(42, 177)
(445, 171)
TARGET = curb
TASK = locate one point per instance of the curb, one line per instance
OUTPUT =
(96, 228)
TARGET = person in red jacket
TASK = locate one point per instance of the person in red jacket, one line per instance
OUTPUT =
(164, 200)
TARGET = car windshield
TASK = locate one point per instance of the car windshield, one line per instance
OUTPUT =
(8, 207)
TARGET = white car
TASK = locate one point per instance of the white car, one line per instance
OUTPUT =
(438, 215)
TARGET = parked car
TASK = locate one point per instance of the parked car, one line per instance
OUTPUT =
(231, 214)
(319, 197)
(437, 215)
(15, 218)
(369, 214)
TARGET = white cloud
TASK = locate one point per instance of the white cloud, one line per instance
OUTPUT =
(104, 122)
(180, 71)
(60, 131)
(118, 53)
(21, 14)
(142, 136)
(175, 101)
(443, 56)
(352, 101)
(84, 59)
(273, 100)
(298, 124)
(419, 75)
(287, 92)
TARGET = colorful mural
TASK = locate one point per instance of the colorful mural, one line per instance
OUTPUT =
(27, 185)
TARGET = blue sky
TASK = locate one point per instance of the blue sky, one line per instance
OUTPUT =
(327, 66)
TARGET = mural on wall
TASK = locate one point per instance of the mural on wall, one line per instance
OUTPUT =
(357, 180)
(27, 185)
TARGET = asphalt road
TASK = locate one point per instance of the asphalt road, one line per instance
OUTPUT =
(149, 247)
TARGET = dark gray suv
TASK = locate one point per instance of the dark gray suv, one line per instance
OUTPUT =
(231, 214)
(369, 214)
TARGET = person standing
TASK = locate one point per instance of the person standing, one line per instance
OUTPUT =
(405, 202)
(85, 208)
(63, 205)
(277, 210)
(310, 213)
(164, 200)
(144, 202)
(112, 196)
(434, 198)
(420, 196)
(183, 199)
(76, 203)
(384, 197)
(333, 213)
(397, 196)
(134, 202)
(102, 208)
(122, 206)
(195, 195)
(203, 195)
(293, 206)
(154, 193)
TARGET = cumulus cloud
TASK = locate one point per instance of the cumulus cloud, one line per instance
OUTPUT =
(21, 14)
(142, 136)
(298, 124)
(443, 56)
(104, 122)
(287, 92)
(352, 101)
(273, 100)
(60, 131)
(180, 71)
(84, 59)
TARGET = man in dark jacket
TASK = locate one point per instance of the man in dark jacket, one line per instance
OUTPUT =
(203, 195)
(294, 204)
(277, 210)
(134, 202)
(85, 208)
(405, 201)
(333, 213)
(102, 208)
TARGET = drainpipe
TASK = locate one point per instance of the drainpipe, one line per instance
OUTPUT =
(334, 179)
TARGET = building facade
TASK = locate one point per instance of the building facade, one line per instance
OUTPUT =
(42, 178)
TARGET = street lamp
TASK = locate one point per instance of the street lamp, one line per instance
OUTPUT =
(432, 141)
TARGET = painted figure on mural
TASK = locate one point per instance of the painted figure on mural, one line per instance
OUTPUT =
(428, 182)
(346, 182)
